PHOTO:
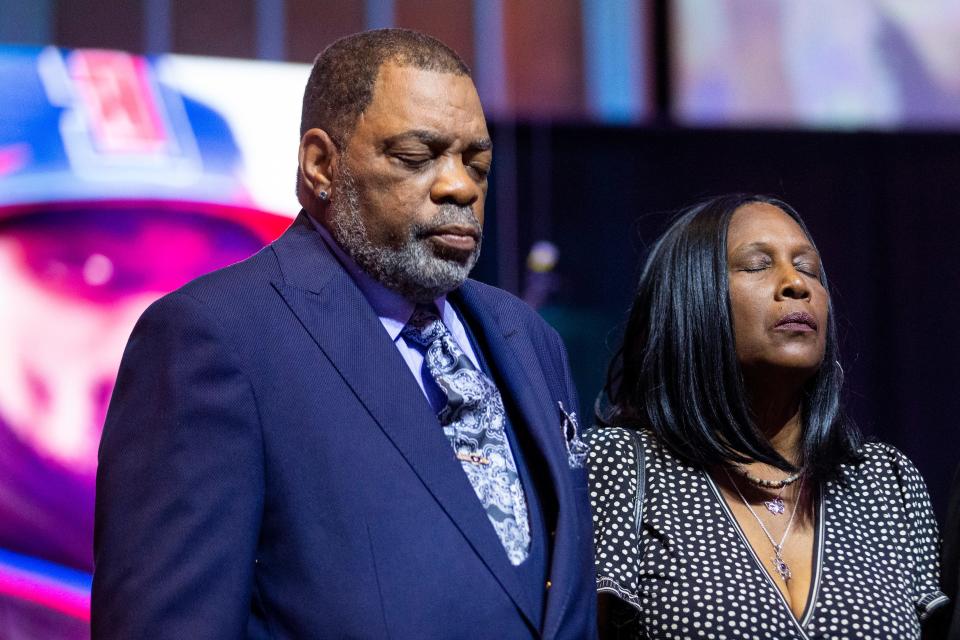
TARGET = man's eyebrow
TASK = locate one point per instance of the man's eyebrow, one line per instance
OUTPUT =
(481, 144)
(432, 138)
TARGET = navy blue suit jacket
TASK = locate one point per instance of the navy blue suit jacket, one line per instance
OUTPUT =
(270, 468)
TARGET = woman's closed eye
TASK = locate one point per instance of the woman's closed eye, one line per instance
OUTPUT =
(755, 265)
(811, 269)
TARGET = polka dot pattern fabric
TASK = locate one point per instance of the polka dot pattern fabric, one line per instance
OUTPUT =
(690, 573)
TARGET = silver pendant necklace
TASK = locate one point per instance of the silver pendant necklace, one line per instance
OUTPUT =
(776, 505)
(779, 565)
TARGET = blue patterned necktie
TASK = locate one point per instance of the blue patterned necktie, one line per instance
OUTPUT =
(473, 420)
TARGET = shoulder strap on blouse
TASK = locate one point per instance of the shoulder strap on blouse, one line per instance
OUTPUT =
(641, 482)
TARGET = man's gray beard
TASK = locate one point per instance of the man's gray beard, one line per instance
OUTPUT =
(412, 268)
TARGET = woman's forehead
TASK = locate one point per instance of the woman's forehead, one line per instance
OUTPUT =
(764, 223)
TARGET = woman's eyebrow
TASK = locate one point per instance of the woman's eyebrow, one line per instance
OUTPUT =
(805, 249)
(752, 246)
(761, 245)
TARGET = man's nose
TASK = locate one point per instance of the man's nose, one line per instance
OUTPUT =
(454, 183)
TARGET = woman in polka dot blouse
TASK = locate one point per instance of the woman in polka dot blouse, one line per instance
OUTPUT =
(731, 498)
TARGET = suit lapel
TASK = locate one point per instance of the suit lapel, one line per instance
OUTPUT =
(518, 363)
(340, 320)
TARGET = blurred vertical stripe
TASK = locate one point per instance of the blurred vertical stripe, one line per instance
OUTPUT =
(489, 72)
(157, 34)
(380, 14)
(26, 22)
(271, 29)
(613, 46)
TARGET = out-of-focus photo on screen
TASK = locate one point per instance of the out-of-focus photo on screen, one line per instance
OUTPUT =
(121, 178)
(817, 63)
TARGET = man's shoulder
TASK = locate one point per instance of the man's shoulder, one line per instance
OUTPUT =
(221, 294)
(499, 299)
(239, 278)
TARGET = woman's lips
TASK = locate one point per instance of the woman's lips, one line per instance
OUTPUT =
(797, 321)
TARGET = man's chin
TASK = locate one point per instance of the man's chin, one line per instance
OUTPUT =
(436, 277)
(421, 271)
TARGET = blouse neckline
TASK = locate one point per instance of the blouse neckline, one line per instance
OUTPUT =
(819, 540)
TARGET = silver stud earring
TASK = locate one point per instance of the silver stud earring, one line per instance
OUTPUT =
(323, 195)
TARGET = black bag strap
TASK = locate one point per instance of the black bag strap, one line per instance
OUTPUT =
(641, 485)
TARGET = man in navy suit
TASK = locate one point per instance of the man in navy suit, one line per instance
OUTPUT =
(343, 436)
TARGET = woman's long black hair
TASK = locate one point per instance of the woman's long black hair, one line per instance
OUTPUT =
(677, 372)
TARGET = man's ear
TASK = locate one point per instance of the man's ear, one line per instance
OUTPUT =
(318, 162)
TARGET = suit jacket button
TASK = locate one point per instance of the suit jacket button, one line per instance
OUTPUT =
(549, 584)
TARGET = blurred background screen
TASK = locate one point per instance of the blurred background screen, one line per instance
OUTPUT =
(122, 177)
(817, 63)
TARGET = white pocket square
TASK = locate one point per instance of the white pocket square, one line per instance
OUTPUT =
(576, 448)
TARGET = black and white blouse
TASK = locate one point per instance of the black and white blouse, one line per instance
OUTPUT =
(690, 572)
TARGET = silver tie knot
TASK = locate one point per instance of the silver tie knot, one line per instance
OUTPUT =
(424, 326)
